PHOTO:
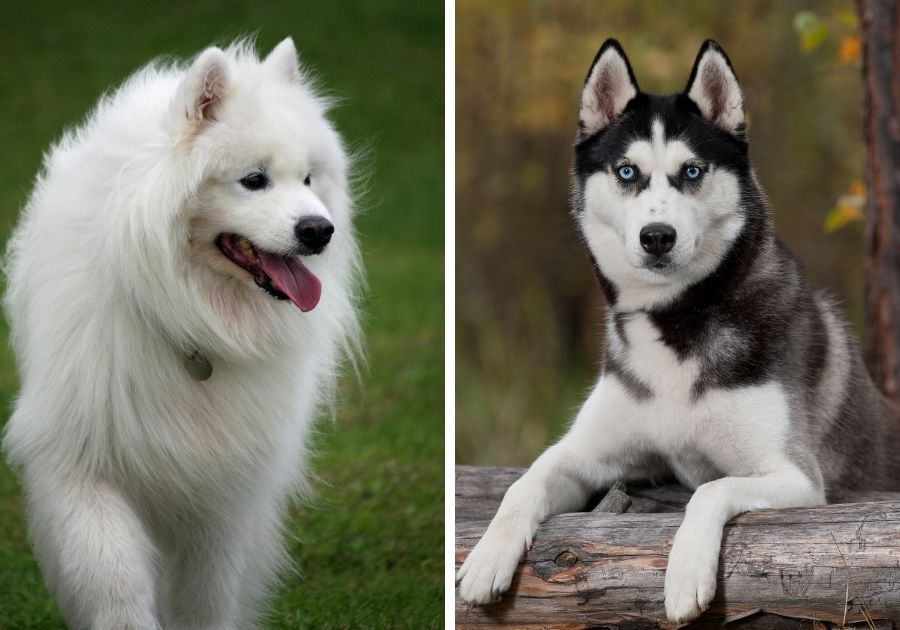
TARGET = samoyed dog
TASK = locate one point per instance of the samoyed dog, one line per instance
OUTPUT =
(181, 295)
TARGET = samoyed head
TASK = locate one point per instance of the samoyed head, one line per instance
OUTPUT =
(257, 241)
(273, 190)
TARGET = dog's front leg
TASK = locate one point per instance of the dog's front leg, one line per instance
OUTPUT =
(95, 552)
(203, 581)
(560, 480)
(694, 559)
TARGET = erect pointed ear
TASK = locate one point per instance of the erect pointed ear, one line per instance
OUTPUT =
(284, 60)
(609, 86)
(714, 88)
(204, 87)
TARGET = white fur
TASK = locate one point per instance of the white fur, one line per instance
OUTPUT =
(155, 500)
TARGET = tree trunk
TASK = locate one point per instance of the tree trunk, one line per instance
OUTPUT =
(881, 86)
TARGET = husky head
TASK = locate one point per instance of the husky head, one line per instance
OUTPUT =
(663, 188)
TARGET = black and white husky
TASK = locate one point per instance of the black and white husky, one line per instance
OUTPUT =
(723, 367)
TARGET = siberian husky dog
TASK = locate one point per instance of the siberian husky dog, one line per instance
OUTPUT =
(722, 367)
(181, 294)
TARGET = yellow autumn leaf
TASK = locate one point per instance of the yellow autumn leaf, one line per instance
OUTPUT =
(841, 216)
(850, 49)
(849, 208)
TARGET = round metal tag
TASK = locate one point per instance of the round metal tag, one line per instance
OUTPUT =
(198, 367)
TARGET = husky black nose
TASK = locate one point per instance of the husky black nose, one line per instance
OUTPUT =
(314, 233)
(657, 238)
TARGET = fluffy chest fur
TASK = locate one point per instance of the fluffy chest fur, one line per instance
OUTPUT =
(662, 407)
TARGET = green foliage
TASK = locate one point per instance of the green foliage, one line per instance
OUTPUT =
(814, 31)
(811, 29)
(840, 25)
(370, 548)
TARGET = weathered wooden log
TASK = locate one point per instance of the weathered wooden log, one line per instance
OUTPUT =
(593, 569)
(615, 501)
(479, 491)
(778, 569)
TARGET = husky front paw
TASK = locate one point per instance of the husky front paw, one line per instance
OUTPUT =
(691, 576)
(489, 569)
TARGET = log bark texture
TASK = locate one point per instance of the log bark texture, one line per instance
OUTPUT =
(880, 20)
(778, 569)
(479, 491)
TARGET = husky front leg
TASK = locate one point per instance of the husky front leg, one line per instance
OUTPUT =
(97, 558)
(560, 480)
(694, 559)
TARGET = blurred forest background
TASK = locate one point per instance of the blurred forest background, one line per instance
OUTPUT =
(529, 314)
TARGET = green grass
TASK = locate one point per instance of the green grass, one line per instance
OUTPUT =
(370, 548)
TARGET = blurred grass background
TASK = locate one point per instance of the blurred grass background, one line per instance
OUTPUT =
(529, 315)
(370, 551)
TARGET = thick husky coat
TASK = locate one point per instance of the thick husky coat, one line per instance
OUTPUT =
(155, 497)
(723, 367)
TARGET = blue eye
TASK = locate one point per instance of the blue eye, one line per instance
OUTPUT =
(627, 173)
(692, 172)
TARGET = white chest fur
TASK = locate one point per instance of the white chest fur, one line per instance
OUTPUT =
(736, 431)
(640, 350)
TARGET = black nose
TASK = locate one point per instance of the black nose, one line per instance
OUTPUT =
(657, 238)
(314, 233)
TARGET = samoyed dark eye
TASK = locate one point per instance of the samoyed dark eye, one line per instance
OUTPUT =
(308, 180)
(255, 181)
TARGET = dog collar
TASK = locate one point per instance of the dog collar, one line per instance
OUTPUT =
(198, 366)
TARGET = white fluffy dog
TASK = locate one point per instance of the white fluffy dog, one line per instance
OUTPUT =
(181, 294)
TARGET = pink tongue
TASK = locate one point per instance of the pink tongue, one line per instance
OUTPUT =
(293, 279)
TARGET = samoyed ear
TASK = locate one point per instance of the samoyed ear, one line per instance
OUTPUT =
(284, 60)
(714, 88)
(609, 86)
(204, 87)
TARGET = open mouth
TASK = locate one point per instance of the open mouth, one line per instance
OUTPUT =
(282, 277)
